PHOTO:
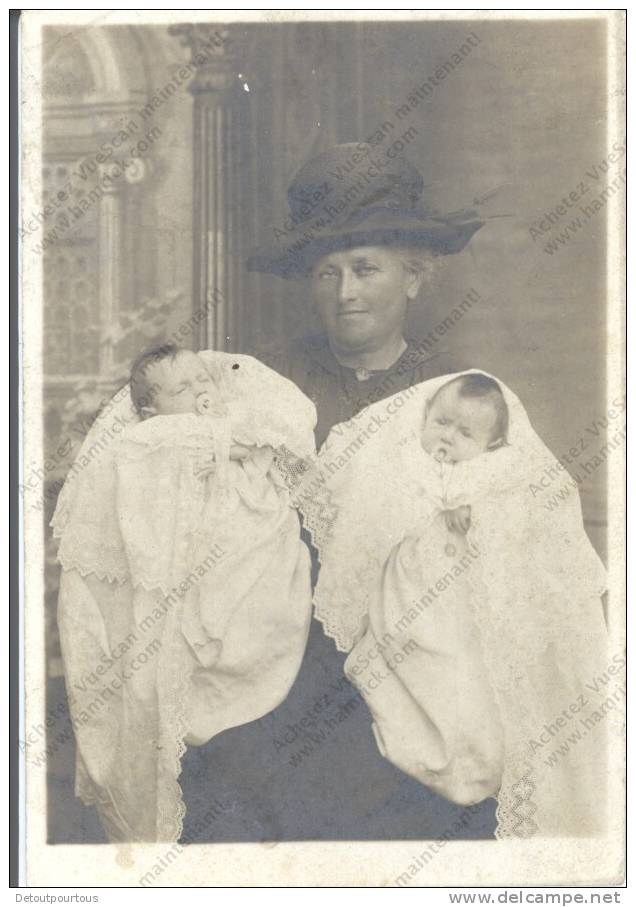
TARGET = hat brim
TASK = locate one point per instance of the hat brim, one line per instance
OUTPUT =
(302, 248)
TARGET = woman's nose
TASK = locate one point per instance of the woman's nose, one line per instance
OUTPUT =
(347, 287)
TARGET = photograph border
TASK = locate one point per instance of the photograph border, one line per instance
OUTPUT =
(302, 864)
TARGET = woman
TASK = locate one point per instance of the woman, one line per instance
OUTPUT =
(366, 252)
(311, 769)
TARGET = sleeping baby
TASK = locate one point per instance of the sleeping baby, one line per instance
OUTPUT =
(191, 423)
(184, 576)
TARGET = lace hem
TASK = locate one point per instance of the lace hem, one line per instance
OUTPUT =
(75, 553)
(320, 513)
(344, 622)
(516, 806)
(173, 682)
(344, 639)
(69, 562)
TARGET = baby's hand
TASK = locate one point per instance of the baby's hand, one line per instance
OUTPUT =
(239, 452)
(204, 467)
(458, 520)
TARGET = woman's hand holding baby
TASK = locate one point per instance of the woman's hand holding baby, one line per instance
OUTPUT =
(458, 520)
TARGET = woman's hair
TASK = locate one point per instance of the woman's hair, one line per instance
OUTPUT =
(418, 260)
(141, 390)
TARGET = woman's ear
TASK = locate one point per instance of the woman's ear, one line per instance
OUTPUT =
(147, 411)
(422, 269)
(414, 281)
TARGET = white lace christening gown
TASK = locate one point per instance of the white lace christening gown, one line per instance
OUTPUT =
(478, 656)
(185, 599)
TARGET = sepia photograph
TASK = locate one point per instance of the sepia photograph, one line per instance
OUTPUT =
(322, 338)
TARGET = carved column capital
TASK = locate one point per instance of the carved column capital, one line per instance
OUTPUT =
(113, 175)
(212, 49)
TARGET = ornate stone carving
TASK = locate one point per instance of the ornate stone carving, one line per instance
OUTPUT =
(212, 54)
(66, 70)
(69, 269)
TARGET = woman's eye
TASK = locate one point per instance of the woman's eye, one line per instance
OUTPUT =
(466, 433)
(366, 269)
(326, 275)
(442, 421)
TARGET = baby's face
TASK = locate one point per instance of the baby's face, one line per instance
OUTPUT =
(457, 428)
(178, 383)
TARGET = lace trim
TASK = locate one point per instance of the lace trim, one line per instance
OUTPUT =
(344, 637)
(69, 562)
(516, 806)
(78, 552)
(511, 646)
(173, 683)
(290, 468)
(346, 623)
(317, 503)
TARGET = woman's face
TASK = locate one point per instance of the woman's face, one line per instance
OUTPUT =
(362, 296)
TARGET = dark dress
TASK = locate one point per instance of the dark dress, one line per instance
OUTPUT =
(311, 768)
(338, 392)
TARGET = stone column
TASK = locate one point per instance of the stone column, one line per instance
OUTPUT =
(218, 256)
(109, 245)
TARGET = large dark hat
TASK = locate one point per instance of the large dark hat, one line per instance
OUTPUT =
(353, 196)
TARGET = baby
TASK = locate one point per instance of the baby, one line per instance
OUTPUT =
(176, 383)
(470, 610)
(170, 381)
(466, 417)
(200, 431)
(183, 569)
(441, 684)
